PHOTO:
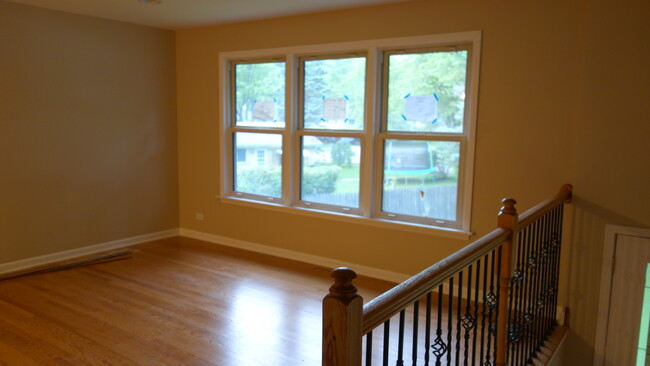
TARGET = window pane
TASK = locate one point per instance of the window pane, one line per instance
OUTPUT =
(259, 94)
(334, 92)
(421, 178)
(330, 170)
(258, 163)
(426, 91)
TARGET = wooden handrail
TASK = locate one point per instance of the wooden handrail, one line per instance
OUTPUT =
(539, 210)
(345, 320)
(394, 300)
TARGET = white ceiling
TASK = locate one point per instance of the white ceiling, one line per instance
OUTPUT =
(175, 14)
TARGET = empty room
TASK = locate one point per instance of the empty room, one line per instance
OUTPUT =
(179, 181)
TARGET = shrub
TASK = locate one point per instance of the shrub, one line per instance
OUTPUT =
(260, 180)
(320, 179)
(342, 153)
(267, 181)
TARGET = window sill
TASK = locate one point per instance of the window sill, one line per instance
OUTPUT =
(336, 216)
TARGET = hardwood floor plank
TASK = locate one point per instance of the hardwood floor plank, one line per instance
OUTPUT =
(65, 345)
(178, 301)
(10, 354)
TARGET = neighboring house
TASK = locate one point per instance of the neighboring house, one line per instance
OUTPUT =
(256, 150)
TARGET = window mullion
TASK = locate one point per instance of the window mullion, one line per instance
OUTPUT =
(289, 159)
(369, 153)
(379, 128)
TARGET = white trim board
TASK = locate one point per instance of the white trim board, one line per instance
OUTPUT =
(96, 248)
(609, 249)
(297, 256)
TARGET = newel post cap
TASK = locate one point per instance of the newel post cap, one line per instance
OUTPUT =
(343, 286)
(508, 214)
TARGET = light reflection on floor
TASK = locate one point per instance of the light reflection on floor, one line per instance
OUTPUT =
(262, 319)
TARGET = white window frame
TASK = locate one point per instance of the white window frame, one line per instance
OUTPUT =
(371, 159)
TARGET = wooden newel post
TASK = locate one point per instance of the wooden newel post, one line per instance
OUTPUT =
(342, 321)
(508, 220)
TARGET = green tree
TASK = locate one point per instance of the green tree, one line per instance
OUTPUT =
(315, 89)
(342, 153)
(259, 81)
(442, 73)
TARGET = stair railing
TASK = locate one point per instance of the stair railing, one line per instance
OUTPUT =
(494, 302)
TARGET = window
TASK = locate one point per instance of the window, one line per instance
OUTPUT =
(379, 131)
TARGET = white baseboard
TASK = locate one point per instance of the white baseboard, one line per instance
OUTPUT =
(73, 253)
(297, 256)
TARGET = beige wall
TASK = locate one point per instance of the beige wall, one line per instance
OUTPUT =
(563, 98)
(87, 131)
(527, 85)
(611, 150)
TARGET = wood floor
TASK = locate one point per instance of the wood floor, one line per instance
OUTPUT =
(178, 301)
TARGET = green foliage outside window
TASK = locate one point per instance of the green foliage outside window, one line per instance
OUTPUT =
(439, 73)
(342, 153)
(267, 180)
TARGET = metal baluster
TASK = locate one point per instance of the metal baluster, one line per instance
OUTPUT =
(499, 298)
(530, 269)
(550, 294)
(476, 292)
(539, 236)
(514, 335)
(548, 297)
(493, 301)
(427, 331)
(558, 246)
(539, 335)
(400, 339)
(386, 341)
(554, 269)
(556, 249)
(536, 271)
(525, 304)
(459, 308)
(439, 348)
(416, 314)
(556, 265)
(483, 311)
(521, 296)
(523, 236)
(369, 349)
(468, 320)
(450, 308)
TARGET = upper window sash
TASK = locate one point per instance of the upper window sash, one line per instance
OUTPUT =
(424, 90)
(258, 93)
(332, 92)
